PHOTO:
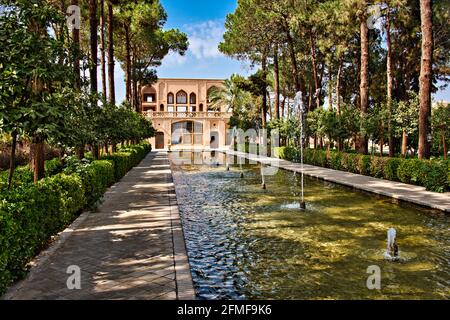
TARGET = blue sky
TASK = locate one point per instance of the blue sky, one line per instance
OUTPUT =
(203, 22)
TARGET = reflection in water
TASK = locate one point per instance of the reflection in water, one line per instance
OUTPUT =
(246, 242)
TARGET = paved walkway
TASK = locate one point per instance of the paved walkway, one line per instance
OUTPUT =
(132, 248)
(405, 192)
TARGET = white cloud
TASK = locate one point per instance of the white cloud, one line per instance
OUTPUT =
(204, 38)
(175, 59)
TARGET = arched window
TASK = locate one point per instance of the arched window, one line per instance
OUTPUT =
(187, 132)
(161, 107)
(181, 97)
(192, 98)
(170, 98)
(200, 107)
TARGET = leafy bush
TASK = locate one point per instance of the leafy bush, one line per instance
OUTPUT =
(336, 160)
(434, 175)
(22, 175)
(409, 171)
(31, 213)
(127, 157)
(363, 164)
(97, 176)
(390, 169)
(377, 165)
(53, 167)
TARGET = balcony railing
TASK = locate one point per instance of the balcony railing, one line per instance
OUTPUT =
(187, 115)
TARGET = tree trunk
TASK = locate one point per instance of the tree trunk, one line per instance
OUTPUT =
(128, 63)
(76, 42)
(295, 72)
(425, 78)
(80, 153)
(338, 88)
(264, 97)
(389, 83)
(96, 152)
(364, 81)
(314, 66)
(444, 144)
(12, 159)
(276, 76)
(330, 90)
(404, 143)
(37, 158)
(102, 47)
(111, 81)
(93, 44)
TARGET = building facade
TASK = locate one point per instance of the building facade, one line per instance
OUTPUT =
(182, 114)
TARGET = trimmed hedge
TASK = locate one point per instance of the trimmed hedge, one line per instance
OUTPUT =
(434, 175)
(127, 157)
(31, 213)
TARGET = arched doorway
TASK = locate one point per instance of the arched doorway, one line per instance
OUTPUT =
(159, 140)
(187, 133)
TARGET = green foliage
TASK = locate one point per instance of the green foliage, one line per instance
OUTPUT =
(440, 121)
(31, 213)
(390, 169)
(96, 177)
(127, 157)
(377, 167)
(22, 175)
(53, 167)
(287, 153)
(364, 162)
(434, 175)
(336, 162)
(409, 171)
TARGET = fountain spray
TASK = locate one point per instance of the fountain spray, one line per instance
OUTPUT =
(299, 102)
(392, 248)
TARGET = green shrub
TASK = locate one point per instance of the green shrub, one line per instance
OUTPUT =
(390, 169)
(96, 177)
(336, 160)
(127, 157)
(29, 215)
(22, 175)
(434, 175)
(280, 153)
(363, 165)
(377, 166)
(448, 174)
(409, 171)
(53, 167)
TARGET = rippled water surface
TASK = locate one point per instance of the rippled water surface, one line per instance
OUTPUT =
(246, 242)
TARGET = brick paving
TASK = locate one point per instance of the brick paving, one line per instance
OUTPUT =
(132, 248)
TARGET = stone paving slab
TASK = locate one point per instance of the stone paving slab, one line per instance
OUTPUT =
(397, 190)
(132, 248)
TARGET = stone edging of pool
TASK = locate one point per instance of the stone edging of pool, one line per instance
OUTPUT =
(184, 283)
(396, 190)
